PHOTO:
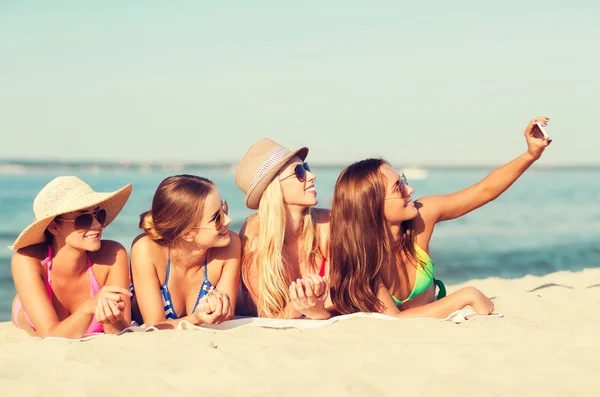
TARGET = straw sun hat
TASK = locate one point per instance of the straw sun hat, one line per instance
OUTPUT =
(68, 194)
(259, 166)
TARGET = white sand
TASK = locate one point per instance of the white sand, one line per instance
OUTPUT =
(546, 345)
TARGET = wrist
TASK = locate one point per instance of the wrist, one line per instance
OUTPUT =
(316, 314)
(530, 157)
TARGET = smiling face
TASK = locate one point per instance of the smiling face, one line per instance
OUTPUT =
(297, 184)
(212, 230)
(81, 229)
(398, 205)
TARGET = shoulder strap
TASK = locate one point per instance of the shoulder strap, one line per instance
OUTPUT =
(168, 267)
(48, 261)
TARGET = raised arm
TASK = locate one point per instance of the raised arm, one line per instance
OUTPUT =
(440, 208)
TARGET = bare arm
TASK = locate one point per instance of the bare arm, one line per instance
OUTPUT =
(450, 206)
(147, 284)
(438, 309)
(31, 290)
(230, 277)
(118, 275)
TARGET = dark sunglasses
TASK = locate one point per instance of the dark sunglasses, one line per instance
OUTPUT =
(219, 217)
(402, 187)
(299, 172)
(84, 221)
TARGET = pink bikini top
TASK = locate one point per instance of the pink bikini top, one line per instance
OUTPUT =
(94, 288)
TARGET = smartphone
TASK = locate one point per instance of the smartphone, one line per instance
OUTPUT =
(542, 130)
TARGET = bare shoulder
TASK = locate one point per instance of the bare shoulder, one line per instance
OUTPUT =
(29, 257)
(110, 253)
(144, 250)
(230, 251)
(425, 216)
(250, 226)
(143, 244)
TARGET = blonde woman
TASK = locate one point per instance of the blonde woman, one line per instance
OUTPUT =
(186, 264)
(69, 281)
(284, 243)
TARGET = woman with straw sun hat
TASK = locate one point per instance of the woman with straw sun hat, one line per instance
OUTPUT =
(69, 281)
(284, 244)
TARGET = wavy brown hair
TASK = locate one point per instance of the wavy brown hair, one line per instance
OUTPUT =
(361, 244)
(177, 205)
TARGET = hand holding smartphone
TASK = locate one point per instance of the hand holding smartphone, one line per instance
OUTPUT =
(542, 130)
(544, 135)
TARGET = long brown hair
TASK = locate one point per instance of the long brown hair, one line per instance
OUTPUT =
(361, 244)
(177, 205)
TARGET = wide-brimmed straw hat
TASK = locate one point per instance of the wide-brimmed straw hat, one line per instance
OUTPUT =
(259, 166)
(68, 194)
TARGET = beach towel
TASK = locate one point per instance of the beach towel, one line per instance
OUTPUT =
(457, 317)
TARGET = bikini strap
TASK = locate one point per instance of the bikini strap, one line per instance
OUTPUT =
(206, 267)
(48, 261)
(49, 257)
(168, 267)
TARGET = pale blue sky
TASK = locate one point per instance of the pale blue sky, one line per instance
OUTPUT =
(426, 82)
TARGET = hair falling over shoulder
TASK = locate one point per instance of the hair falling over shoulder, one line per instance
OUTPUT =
(177, 205)
(266, 251)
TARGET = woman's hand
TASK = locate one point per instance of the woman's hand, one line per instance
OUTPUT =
(109, 311)
(106, 293)
(212, 309)
(308, 296)
(536, 141)
(479, 302)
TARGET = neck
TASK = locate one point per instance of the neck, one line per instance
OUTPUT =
(68, 259)
(183, 256)
(395, 231)
(293, 223)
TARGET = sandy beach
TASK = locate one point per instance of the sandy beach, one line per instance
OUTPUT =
(545, 345)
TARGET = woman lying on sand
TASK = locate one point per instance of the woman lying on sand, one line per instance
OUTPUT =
(284, 243)
(70, 282)
(186, 264)
(379, 247)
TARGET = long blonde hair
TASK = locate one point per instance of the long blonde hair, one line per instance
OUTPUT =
(267, 250)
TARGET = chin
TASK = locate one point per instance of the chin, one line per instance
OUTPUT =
(92, 246)
(222, 241)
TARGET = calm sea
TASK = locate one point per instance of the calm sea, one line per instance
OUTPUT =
(548, 221)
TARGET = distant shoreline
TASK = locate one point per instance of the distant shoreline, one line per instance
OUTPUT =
(16, 166)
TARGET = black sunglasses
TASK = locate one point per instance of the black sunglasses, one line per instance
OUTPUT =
(299, 172)
(219, 217)
(84, 221)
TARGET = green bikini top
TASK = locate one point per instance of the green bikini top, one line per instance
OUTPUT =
(424, 277)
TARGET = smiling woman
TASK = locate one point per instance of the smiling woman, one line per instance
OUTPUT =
(81, 285)
(285, 243)
(185, 266)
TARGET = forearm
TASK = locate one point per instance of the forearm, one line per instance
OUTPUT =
(438, 309)
(73, 327)
(116, 327)
(174, 323)
(502, 178)
(289, 312)
(317, 314)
